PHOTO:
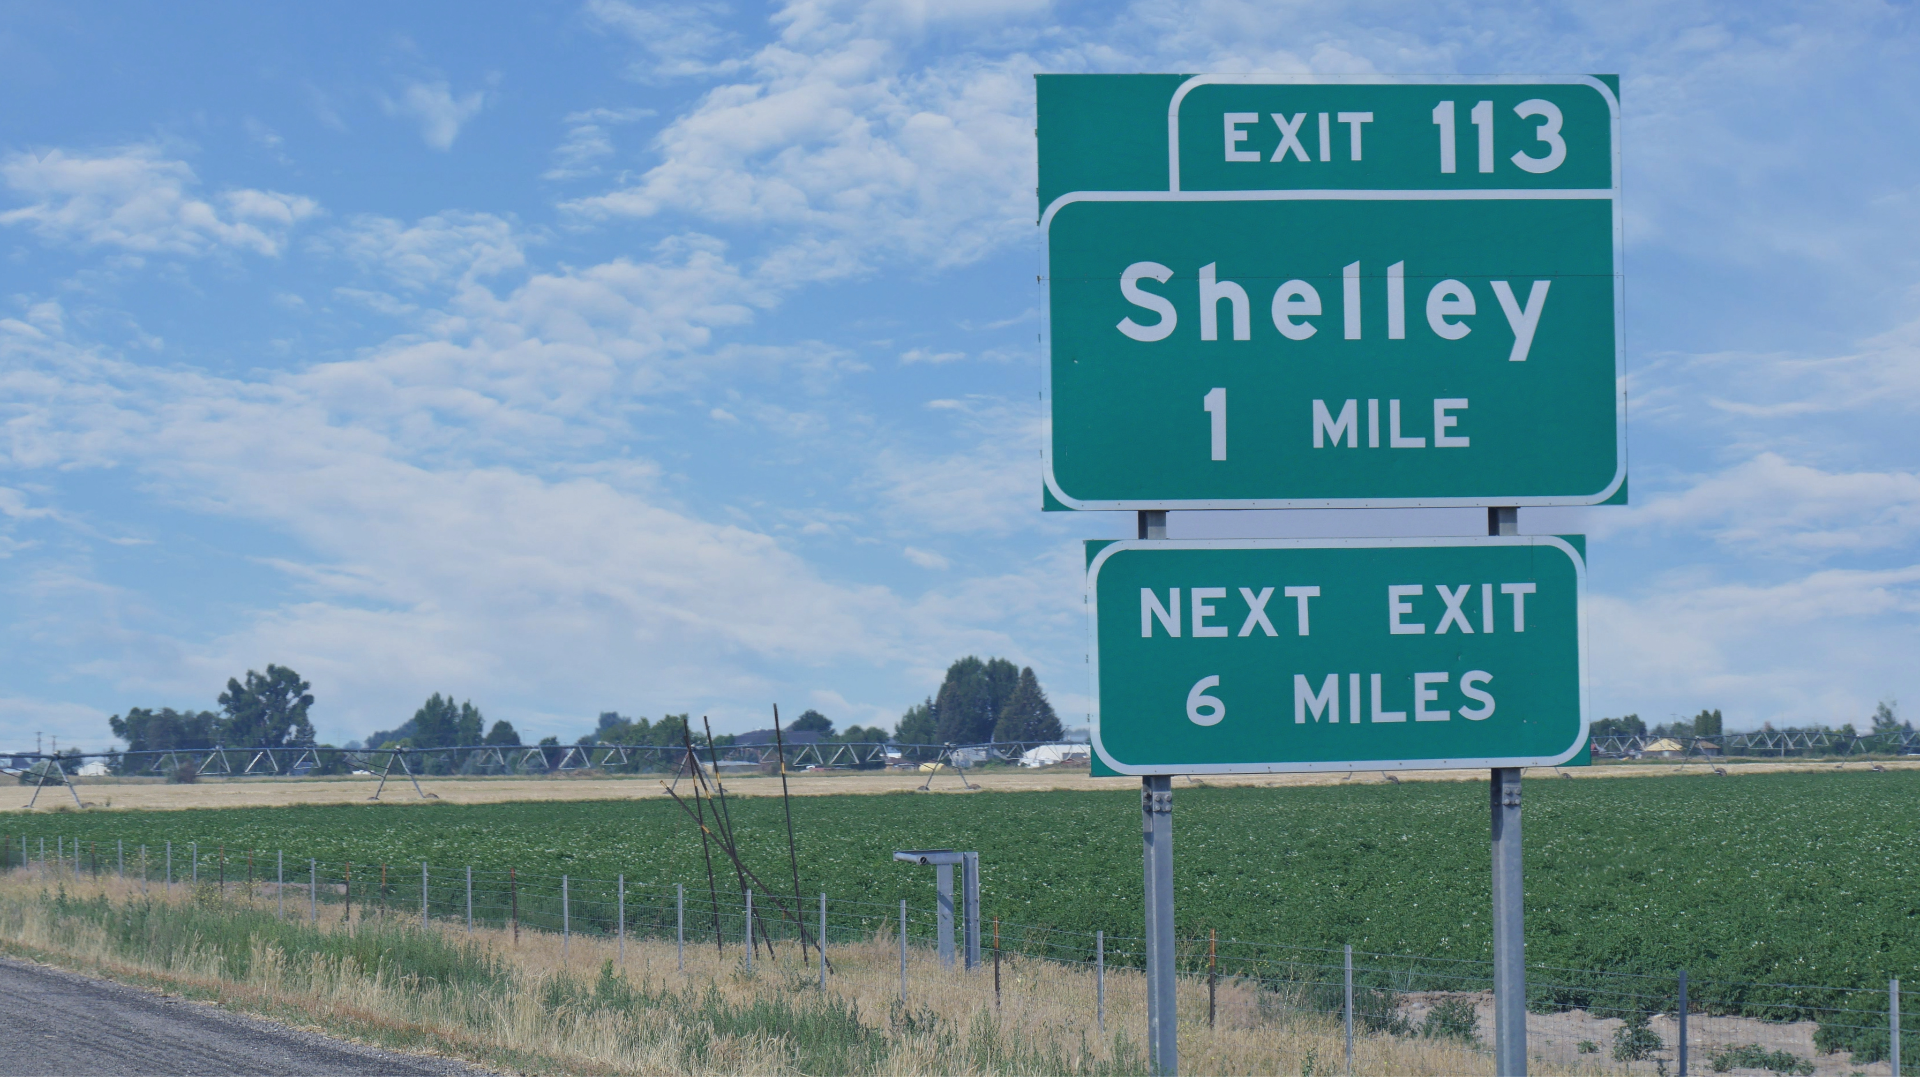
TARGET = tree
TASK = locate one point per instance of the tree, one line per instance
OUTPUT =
(1630, 724)
(1886, 721)
(502, 735)
(467, 732)
(1708, 725)
(917, 725)
(437, 723)
(813, 721)
(971, 698)
(165, 729)
(268, 710)
(1027, 716)
(672, 729)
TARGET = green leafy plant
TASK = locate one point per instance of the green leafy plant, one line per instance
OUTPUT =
(1636, 1041)
(1450, 1018)
(1755, 1056)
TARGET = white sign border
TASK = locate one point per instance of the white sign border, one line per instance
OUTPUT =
(1367, 194)
(1219, 769)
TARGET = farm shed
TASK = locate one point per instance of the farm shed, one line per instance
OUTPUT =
(1665, 748)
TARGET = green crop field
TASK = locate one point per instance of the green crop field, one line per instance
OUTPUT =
(1786, 878)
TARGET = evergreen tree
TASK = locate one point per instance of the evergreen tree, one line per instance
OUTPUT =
(971, 698)
(436, 723)
(1708, 724)
(918, 725)
(467, 731)
(1027, 716)
(1886, 722)
(502, 734)
(268, 710)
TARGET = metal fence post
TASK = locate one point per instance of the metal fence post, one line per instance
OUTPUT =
(749, 934)
(903, 950)
(1893, 1022)
(1509, 935)
(1348, 1011)
(1100, 978)
(1682, 1051)
(194, 847)
(823, 941)
(280, 880)
(120, 856)
(469, 899)
(313, 889)
(680, 927)
(621, 904)
(566, 919)
(169, 867)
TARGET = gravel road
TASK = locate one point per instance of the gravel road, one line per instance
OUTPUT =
(55, 1023)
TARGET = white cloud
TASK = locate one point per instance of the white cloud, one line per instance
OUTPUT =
(1809, 650)
(137, 199)
(991, 485)
(420, 575)
(1771, 505)
(928, 560)
(677, 37)
(452, 247)
(928, 356)
(852, 158)
(589, 140)
(435, 108)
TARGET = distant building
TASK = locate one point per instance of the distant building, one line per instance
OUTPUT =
(1665, 748)
(95, 768)
(1056, 754)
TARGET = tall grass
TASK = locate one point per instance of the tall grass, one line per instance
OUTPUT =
(582, 1005)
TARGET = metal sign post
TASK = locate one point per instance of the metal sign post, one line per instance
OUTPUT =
(1509, 938)
(970, 896)
(943, 861)
(1280, 291)
(1163, 1028)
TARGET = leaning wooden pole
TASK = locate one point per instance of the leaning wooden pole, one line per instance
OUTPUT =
(725, 821)
(786, 804)
(706, 851)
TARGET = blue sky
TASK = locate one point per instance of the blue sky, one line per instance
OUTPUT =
(567, 357)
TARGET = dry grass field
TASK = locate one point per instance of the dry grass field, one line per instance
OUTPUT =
(220, 793)
(538, 1003)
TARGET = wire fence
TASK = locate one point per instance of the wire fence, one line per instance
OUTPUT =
(1580, 1020)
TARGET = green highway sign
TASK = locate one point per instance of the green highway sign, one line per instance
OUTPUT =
(1337, 293)
(1238, 656)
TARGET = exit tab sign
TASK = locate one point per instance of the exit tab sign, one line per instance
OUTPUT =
(1268, 291)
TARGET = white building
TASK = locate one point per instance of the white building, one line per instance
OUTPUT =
(1059, 753)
